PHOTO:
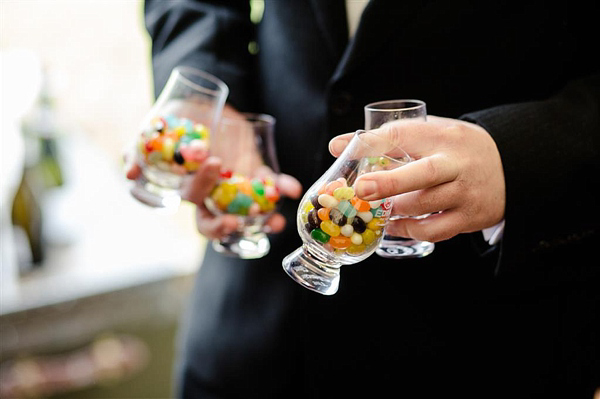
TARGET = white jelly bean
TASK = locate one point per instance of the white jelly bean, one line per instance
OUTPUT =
(365, 216)
(356, 239)
(328, 201)
(347, 230)
(375, 204)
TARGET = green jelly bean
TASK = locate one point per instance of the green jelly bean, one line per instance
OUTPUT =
(319, 235)
(258, 187)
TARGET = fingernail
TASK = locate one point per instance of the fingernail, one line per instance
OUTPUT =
(366, 188)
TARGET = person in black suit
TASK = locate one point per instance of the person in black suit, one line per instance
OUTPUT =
(517, 319)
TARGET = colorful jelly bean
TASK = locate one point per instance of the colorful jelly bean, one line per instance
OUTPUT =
(330, 228)
(239, 195)
(319, 235)
(342, 223)
(168, 141)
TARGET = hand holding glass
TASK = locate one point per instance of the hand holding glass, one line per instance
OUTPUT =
(175, 135)
(338, 228)
(247, 183)
(376, 115)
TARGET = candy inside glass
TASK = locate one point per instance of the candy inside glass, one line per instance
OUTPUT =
(247, 183)
(336, 227)
(376, 115)
(175, 134)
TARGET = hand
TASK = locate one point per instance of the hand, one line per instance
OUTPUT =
(456, 176)
(204, 180)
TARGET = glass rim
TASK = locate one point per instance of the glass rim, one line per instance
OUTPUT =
(416, 105)
(222, 87)
(264, 119)
(359, 132)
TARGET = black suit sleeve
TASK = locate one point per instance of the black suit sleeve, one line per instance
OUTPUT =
(208, 35)
(550, 153)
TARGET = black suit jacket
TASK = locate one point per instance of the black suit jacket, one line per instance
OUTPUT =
(517, 320)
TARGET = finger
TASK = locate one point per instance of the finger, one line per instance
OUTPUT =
(338, 144)
(275, 224)
(133, 171)
(434, 228)
(426, 201)
(368, 144)
(417, 175)
(289, 186)
(215, 227)
(203, 181)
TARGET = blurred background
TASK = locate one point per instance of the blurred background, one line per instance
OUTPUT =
(92, 282)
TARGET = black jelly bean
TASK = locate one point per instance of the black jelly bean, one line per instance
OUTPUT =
(337, 217)
(359, 225)
(178, 158)
(313, 219)
(314, 200)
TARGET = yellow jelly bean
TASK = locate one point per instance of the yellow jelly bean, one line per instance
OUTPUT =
(375, 224)
(343, 193)
(356, 249)
(330, 228)
(368, 236)
(168, 149)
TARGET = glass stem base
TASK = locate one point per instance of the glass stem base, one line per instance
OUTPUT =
(402, 248)
(311, 272)
(244, 246)
(155, 196)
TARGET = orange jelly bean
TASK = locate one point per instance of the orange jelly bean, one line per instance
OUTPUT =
(360, 205)
(340, 242)
(323, 213)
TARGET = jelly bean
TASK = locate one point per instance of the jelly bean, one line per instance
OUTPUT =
(360, 205)
(155, 144)
(375, 204)
(313, 219)
(258, 187)
(243, 186)
(307, 207)
(375, 224)
(356, 239)
(368, 237)
(178, 158)
(343, 193)
(356, 249)
(332, 186)
(365, 216)
(196, 151)
(272, 193)
(319, 235)
(347, 209)
(330, 228)
(372, 160)
(191, 165)
(359, 225)
(327, 201)
(337, 217)
(171, 121)
(340, 242)
(314, 200)
(168, 149)
(323, 213)
(159, 124)
(347, 230)
(322, 189)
